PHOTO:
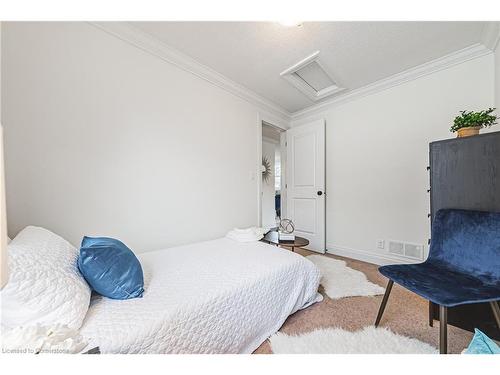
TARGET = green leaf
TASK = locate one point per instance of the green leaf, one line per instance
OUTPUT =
(481, 119)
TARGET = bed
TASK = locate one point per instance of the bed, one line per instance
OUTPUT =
(218, 296)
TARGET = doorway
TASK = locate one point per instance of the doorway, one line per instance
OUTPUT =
(306, 182)
(272, 176)
(292, 181)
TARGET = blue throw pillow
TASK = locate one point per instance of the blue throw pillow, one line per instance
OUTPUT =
(482, 344)
(111, 268)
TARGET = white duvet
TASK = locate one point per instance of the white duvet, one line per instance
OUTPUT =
(219, 296)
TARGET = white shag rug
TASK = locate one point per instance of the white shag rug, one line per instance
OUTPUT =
(340, 281)
(369, 340)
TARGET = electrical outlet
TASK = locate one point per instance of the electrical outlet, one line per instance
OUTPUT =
(380, 244)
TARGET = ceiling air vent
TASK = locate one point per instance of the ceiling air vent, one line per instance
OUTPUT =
(311, 78)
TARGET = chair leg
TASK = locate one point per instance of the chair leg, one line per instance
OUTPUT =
(443, 330)
(496, 312)
(431, 314)
(384, 302)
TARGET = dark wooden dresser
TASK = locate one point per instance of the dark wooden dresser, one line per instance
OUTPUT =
(465, 174)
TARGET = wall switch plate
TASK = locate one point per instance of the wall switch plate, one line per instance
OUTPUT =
(380, 244)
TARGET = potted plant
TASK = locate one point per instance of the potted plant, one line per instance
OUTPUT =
(469, 123)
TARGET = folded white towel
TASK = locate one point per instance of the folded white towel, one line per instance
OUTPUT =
(246, 235)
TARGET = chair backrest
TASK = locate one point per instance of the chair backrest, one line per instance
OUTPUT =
(468, 241)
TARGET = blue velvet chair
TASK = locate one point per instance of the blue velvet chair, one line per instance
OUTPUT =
(463, 265)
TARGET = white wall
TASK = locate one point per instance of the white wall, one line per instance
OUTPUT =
(103, 138)
(268, 191)
(0, 70)
(377, 154)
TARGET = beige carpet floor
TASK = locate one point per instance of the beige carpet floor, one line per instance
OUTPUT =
(405, 313)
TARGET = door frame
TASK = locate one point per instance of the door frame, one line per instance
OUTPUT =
(282, 127)
(323, 188)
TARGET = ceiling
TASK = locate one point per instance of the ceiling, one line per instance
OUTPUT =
(356, 54)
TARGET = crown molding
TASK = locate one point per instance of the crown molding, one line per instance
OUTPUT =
(148, 43)
(472, 52)
(491, 35)
(130, 34)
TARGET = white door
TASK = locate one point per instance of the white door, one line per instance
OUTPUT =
(306, 182)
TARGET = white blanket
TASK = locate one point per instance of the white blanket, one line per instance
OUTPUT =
(218, 296)
(246, 235)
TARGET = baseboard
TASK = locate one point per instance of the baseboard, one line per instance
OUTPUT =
(366, 256)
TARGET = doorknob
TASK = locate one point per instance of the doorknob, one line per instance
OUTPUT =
(319, 192)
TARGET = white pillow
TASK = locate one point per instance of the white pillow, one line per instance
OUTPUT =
(45, 285)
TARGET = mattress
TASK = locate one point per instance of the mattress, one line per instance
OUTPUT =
(218, 296)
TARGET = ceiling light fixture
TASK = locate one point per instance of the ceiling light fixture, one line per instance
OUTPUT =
(290, 23)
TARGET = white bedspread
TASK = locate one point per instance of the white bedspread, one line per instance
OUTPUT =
(219, 296)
